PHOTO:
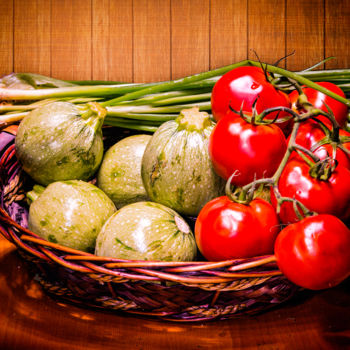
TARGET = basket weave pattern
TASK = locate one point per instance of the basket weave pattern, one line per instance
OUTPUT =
(178, 291)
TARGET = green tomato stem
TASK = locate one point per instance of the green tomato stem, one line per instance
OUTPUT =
(289, 150)
(263, 181)
(302, 151)
(291, 144)
(300, 79)
(344, 149)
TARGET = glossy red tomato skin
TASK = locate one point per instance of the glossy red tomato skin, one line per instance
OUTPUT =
(241, 87)
(314, 253)
(319, 99)
(310, 133)
(323, 197)
(227, 230)
(251, 150)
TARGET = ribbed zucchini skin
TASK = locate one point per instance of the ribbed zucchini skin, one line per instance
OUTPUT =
(119, 175)
(70, 213)
(146, 231)
(176, 168)
(54, 143)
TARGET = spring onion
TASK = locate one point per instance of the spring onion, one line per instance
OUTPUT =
(143, 106)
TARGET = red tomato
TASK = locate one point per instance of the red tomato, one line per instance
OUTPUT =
(240, 87)
(314, 253)
(310, 133)
(250, 150)
(319, 99)
(323, 197)
(226, 230)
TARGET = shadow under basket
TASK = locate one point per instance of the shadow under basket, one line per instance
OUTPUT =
(176, 291)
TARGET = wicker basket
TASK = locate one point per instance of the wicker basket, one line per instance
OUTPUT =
(177, 291)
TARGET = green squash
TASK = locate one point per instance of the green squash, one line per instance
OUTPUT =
(70, 213)
(146, 231)
(61, 141)
(119, 175)
(176, 168)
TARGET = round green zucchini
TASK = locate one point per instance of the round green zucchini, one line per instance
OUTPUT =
(119, 175)
(176, 168)
(70, 213)
(60, 141)
(146, 231)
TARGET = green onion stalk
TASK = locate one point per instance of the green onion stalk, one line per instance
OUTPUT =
(144, 106)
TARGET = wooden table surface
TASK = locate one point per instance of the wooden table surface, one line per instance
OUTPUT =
(29, 319)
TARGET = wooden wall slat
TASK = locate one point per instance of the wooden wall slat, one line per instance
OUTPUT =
(337, 33)
(266, 30)
(228, 32)
(151, 40)
(189, 37)
(71, 39)
(305, 33)
(6, 37)
(32, 37)
(112, 40)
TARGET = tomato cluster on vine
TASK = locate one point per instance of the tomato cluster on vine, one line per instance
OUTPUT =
(291, 148)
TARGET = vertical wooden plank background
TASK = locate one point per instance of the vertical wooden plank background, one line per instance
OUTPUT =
(337, 33)
(228, 32)
(71, 39)
(305, 33)
(189, 37)
(266, 30)
(112, 40)
(32, 39)
(6, 36)
(150, 40)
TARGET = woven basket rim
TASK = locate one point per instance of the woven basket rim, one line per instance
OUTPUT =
(175, 271)
(89, 263)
